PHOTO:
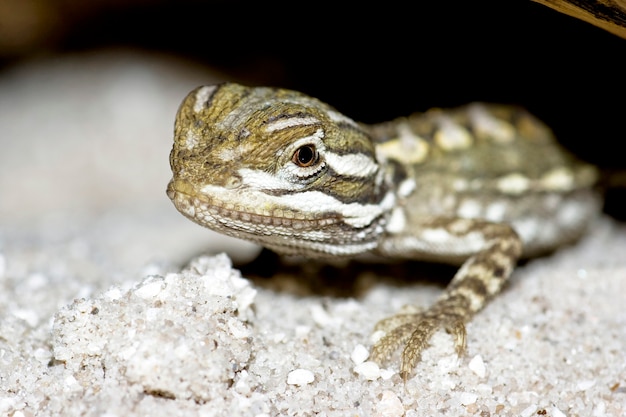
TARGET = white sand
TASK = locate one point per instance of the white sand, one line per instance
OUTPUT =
(100, 316)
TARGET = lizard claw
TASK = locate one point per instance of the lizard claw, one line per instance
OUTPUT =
(414, 331)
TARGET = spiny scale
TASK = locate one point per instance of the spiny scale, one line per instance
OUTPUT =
(479, 186)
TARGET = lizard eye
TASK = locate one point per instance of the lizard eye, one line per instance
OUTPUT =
(305, 156)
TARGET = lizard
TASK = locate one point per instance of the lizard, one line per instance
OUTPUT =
(480, 186)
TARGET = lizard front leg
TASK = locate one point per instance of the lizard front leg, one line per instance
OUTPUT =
(490, 250)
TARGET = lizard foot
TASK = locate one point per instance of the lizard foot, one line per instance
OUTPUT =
(413, 331)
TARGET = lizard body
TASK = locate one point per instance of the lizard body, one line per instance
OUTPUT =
(480, 186)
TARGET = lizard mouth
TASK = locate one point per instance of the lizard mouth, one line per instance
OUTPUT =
(289, 232)
(224, 214)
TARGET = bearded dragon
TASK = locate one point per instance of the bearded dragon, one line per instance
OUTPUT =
(479, 186)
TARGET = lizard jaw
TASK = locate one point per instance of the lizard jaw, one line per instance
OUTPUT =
(242, 215)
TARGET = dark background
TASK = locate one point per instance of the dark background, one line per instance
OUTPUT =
(372, 61)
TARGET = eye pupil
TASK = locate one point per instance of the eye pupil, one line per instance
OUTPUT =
(305, 156)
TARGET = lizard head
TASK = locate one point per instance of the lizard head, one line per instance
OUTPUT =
(279, 168)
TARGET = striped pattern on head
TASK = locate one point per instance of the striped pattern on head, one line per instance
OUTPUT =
(277, 167)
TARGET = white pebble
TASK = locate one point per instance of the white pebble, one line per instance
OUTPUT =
(368, 370)
(448, 384)
(218, 287)
(585, 385)
(467, 398)
(599, 410)
(484, 389)
(302, 331)
(528, 411)
(71, 384)
(245, 298)
(359, 354)
(114, 293)
(237, 329)
(390, 405)
(42, 355)
(149, 290)
(448, 364)
(300, 377)
(320, 316)
(477, 366)
(279, 337)
(29, 316)
(243, 383)
(557, 413)
(35, 281)
(387, 373)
